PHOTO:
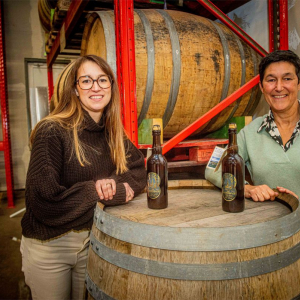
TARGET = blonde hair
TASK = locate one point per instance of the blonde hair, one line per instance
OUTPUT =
(69, 115)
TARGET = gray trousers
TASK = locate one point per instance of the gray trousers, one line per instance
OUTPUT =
(55, 270)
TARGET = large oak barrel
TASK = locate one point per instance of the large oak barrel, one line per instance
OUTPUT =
(185, 65)
(60, 83)
(193, 250)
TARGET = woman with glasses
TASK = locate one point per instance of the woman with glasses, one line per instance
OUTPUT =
(80, 155)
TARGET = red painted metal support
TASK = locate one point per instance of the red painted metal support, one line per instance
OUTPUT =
(235, 28)
(283, 25)
(125, 59)
(73, 15)
(50, 82)
(209, 115)
(271, 25)
(6, 145)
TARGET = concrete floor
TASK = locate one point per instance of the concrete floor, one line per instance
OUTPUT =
(12, 285)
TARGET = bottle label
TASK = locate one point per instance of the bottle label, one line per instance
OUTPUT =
(153, 183)
(229, 187)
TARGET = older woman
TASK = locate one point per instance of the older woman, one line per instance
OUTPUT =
(270, 145)
(80, 155)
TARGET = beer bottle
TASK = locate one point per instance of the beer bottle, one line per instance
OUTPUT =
(157, 174)
(233, 176)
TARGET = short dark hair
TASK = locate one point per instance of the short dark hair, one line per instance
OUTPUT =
(276, 56)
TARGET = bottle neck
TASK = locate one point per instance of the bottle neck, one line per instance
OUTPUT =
(156, 147)
(232, 146)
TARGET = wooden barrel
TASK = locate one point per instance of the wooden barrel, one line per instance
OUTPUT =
(44, 9)
(193, 250)
(60, 84)
(185, 65)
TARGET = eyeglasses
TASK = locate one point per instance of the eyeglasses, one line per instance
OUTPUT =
(86, 82)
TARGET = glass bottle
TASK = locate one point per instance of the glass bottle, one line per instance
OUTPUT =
(157, 174)
(233, 175)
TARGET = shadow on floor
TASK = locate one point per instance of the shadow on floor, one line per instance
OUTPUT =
(12, 284)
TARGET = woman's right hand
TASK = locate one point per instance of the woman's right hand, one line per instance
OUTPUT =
(106, 188)
(260, 192)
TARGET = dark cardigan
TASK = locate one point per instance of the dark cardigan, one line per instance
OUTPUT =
(60, 194)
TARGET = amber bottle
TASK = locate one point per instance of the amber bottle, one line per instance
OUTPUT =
(157, 174)
(233, 175)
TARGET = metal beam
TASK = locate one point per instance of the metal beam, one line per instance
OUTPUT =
(71, 19)
(5, 144)
(209, 115)
(236, 29)
(283, 25)
(125, 61)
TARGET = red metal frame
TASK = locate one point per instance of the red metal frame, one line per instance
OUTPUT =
(209, 115)
(73, 14)
(5, 144)
(271, 25)
(50, 83)
(125, 59)
(283, 28)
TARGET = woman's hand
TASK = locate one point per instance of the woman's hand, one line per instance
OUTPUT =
(260, 192)
(106, 188)
(284, 190)
(129, 192)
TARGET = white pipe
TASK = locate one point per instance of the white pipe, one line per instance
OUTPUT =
(18, 212)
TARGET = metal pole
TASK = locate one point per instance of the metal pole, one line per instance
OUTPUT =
(125, 59)
(5, 117)
(271, 25)
(50, 82)
(236, 29)
(283, 25)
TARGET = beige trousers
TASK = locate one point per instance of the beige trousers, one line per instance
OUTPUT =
(55, 270)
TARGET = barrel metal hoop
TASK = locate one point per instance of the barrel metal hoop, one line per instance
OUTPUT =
(94, 290)
(243, 76)
(150, 65)
(257, 98)
(198, 239)
(226, 60)
(176, 72)
(227, 70)
(109, 33)
(225, 271)
(250, 103)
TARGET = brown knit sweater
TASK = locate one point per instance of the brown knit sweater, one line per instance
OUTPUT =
(61, 194)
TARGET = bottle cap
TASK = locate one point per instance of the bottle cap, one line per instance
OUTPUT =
(156, 128)
(232, 126)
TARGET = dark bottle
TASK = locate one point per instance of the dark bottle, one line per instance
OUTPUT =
(233, 176)
(157, 174)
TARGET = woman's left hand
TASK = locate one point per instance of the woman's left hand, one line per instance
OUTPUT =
(106, 188)
(284, 190)
(129, 192)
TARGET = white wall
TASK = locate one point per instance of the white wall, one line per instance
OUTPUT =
(23, 38)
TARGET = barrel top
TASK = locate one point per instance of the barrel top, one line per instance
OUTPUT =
(198, 208)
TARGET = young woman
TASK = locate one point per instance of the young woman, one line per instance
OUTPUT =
(80, 155)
